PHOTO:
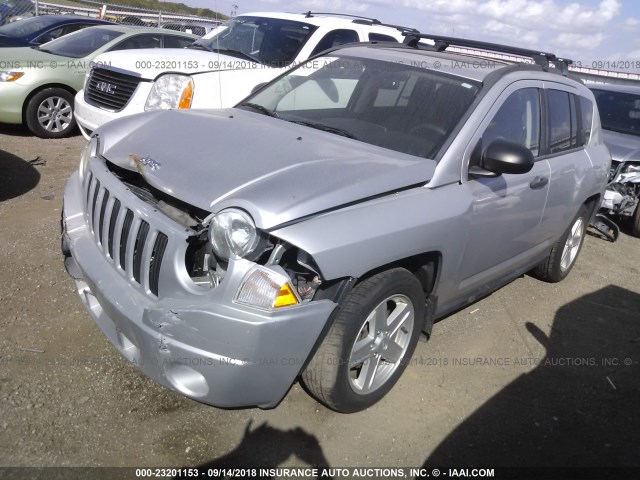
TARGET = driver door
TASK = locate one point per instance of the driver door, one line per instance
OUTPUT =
(507, 210)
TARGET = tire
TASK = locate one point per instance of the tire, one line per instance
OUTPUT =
(49, 113)
(565, 251)
(359, 361)
(635, 222)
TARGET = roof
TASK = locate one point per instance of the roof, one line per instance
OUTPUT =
(72, 19)
(138, 29)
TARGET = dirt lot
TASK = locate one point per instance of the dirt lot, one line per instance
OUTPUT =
(535, 374)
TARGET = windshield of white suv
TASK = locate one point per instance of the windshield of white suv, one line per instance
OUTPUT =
(392, 105)
(81, 43)
(269, 41)
(619, 111)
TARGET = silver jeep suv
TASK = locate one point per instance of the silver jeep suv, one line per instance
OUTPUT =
(316, 229)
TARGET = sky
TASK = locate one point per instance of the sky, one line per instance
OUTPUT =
(596, 33)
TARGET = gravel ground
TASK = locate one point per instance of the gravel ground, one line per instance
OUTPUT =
(535, 374)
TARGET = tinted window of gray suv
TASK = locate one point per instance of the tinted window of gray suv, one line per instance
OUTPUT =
(559, 121)
(586, 115)
(517, 121)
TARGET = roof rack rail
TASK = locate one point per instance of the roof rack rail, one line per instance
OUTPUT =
(365, 21)
(310, 14)
(441, 43)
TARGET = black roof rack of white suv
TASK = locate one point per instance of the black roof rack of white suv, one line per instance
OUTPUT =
(364, 21)
(310, 14)
(441, 43)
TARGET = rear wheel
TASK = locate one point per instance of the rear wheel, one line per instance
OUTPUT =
(565, 251)
(369, 343)
(49, 113)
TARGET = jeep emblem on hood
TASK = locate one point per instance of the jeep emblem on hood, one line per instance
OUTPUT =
(141, 162)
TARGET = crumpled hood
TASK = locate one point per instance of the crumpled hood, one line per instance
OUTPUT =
(622, 146)
(148, 63)
(276, 170)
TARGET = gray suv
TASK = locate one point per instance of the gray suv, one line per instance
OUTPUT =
(315, 230)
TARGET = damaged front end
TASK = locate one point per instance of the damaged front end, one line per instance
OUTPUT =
(165, 282)
(620, 201)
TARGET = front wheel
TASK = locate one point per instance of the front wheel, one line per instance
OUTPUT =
(49, 113)
(565, 251)
(369, 344)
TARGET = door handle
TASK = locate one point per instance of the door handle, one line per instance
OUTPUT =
(538, 183)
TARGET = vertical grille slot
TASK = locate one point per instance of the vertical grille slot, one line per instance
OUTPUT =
(138, 248)
(156, 261)
(126, 227)
(124, 238)
(89, 181)
(93, 203)
(103, 208)
(112, 225)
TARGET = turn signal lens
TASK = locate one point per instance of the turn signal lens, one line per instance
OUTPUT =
(186, 97)
(266, 289)
(285, 297)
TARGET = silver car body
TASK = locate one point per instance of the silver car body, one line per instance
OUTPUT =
(351, 206)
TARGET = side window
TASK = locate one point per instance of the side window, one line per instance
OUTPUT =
(172, 41)
(380, 37)
(75, 27)
(60, 32)
(586, 112)
(574, 121)
(517, 121)
(51, 35)
(562, 122)
(334, 39)
(139, 41)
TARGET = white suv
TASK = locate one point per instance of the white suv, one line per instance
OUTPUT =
(218, 70)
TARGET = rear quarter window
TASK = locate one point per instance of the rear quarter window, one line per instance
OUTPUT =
(586, 113)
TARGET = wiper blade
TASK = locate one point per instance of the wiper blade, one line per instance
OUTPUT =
(326, 128)
(236, 53)
(260, 108)
(200, 46)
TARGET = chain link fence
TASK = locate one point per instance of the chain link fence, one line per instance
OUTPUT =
(174, 16)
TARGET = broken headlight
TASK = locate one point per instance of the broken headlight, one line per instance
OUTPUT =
(233, 232)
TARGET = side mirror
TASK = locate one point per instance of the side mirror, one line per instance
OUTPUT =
(502, 156)
(258, 87)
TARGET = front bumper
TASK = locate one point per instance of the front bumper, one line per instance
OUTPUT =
(90, 117)
(12, 97)
(198, 343)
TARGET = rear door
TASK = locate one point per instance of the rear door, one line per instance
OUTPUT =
(569, 162)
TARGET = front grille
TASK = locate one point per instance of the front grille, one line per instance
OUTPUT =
(108, 89)
(134, 246)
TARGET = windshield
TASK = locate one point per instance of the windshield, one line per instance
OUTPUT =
(27, 26)
(269, 41)
(392, 105)
(619, 111)
(82, 43)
